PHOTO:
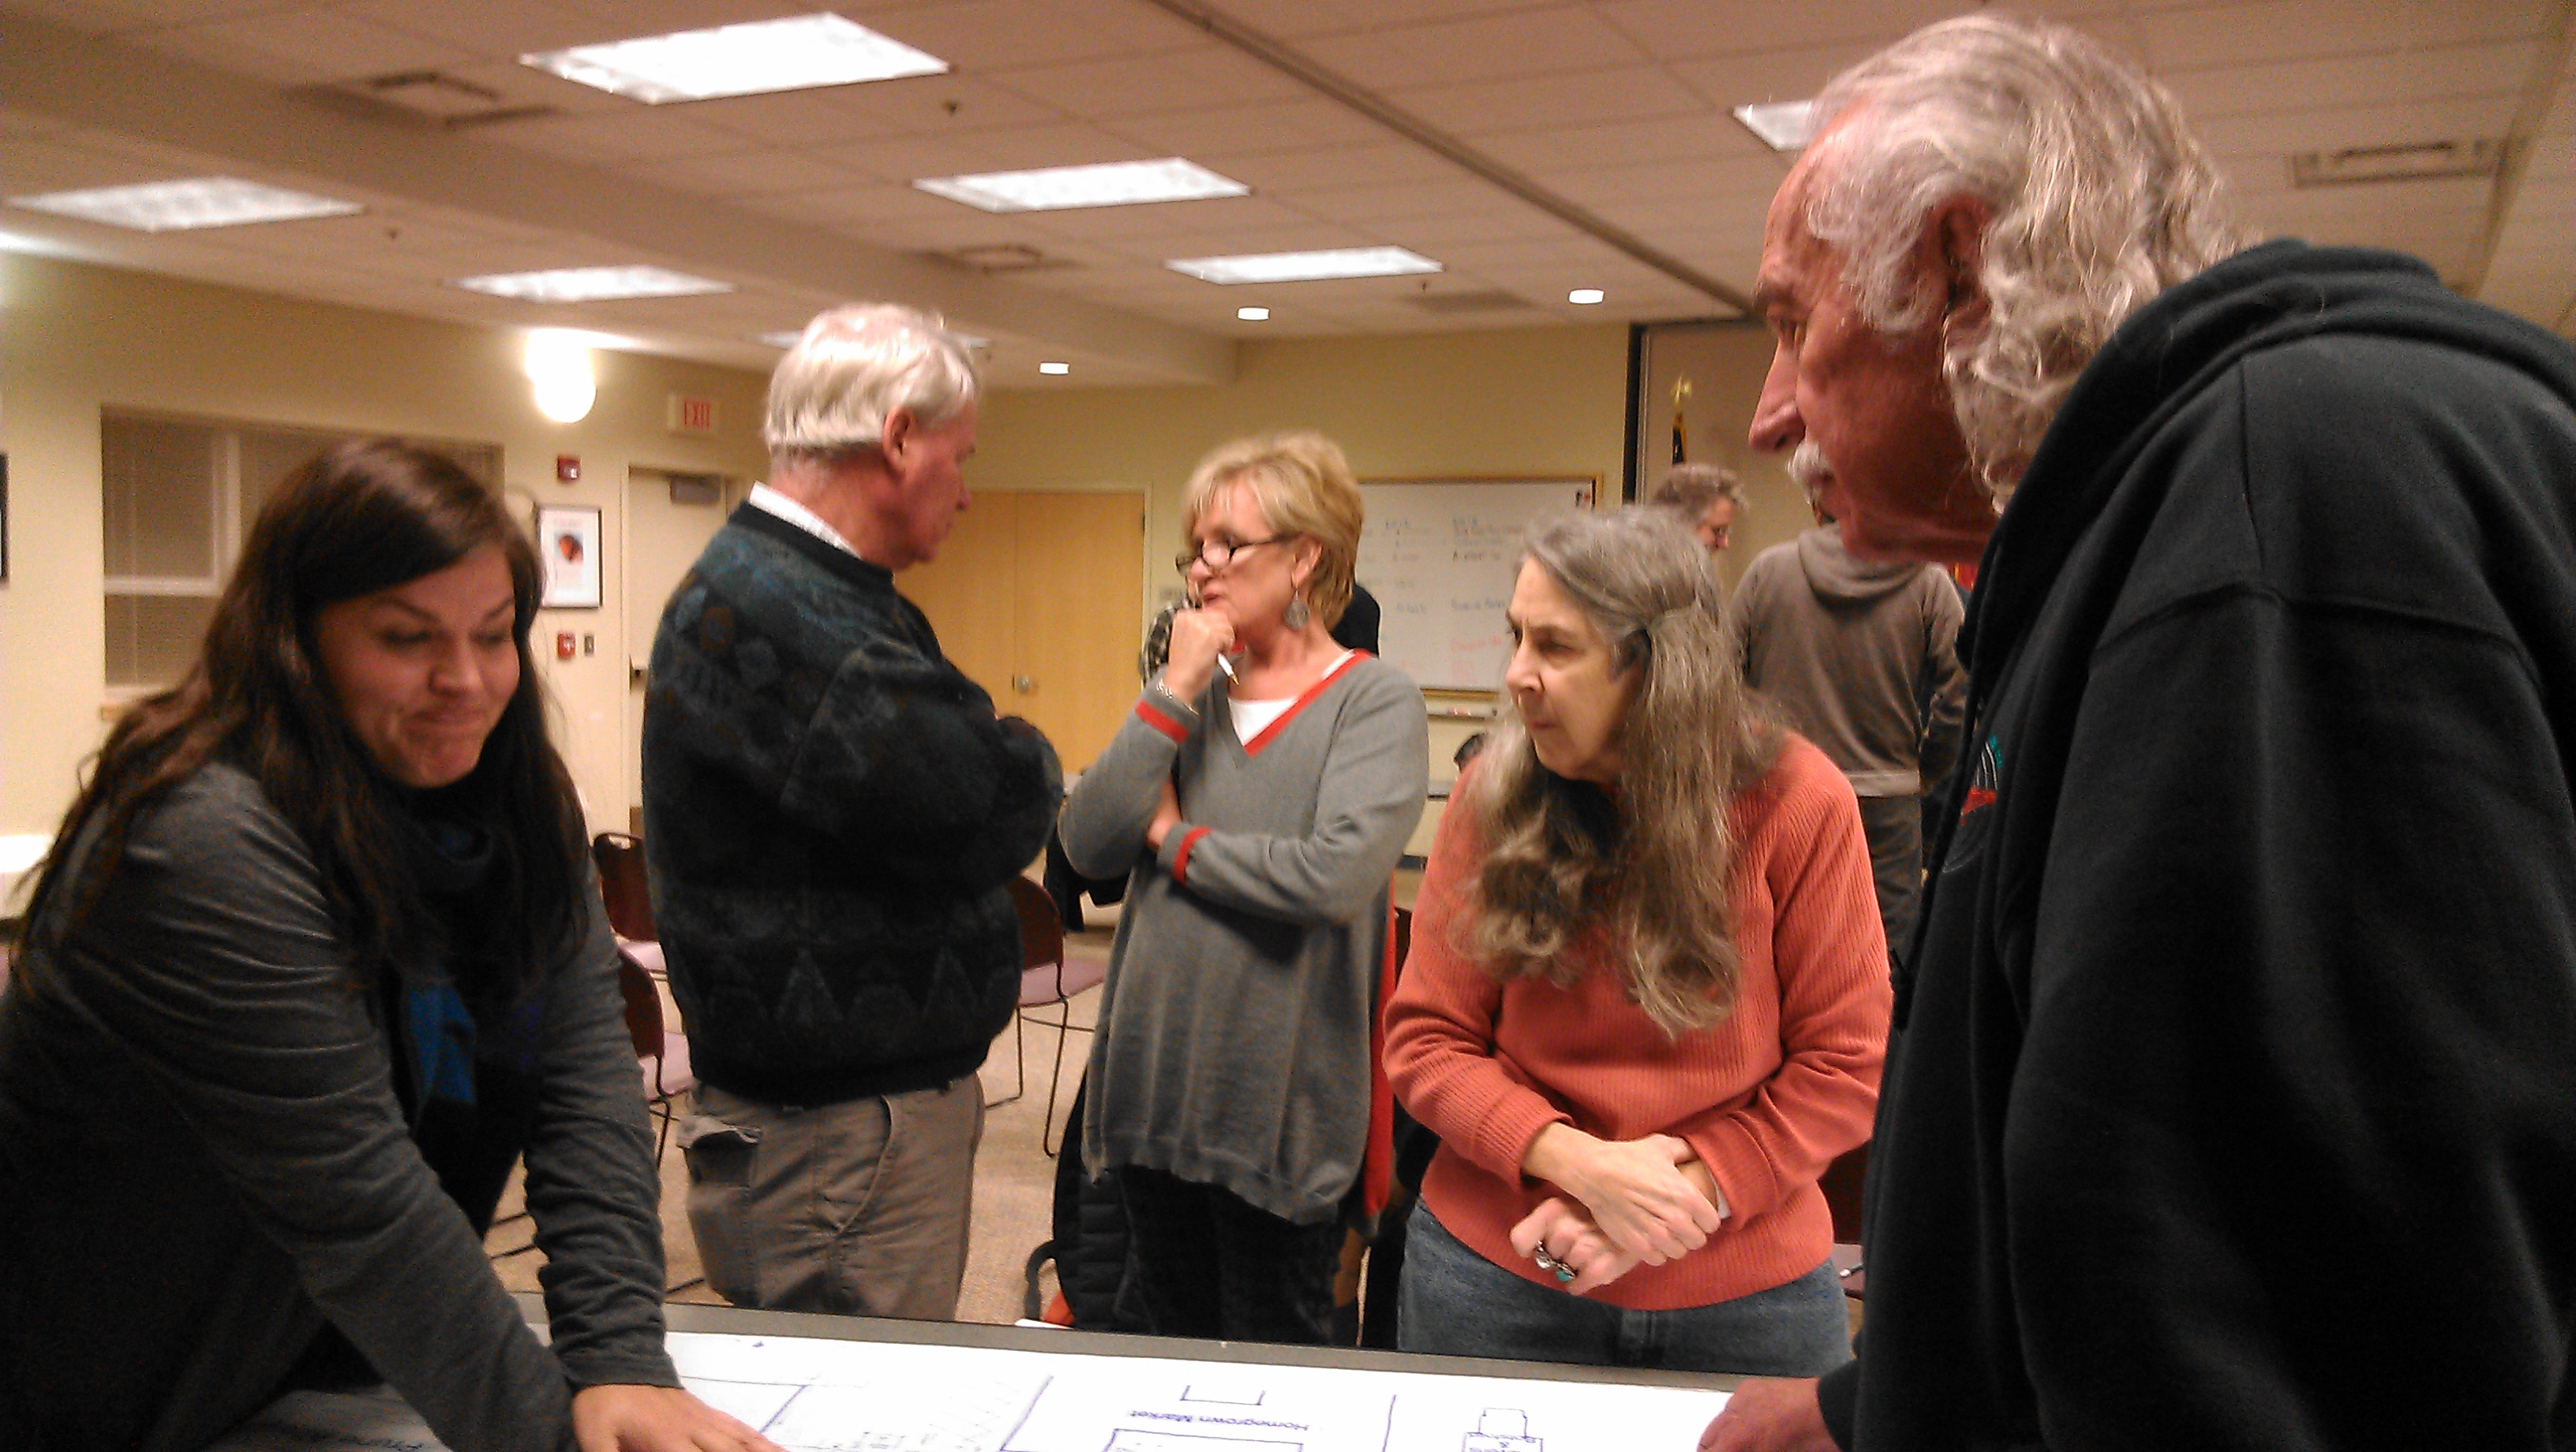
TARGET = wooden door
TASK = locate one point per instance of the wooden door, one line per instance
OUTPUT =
(1035, 596)
(969, 593)
(1081, 576)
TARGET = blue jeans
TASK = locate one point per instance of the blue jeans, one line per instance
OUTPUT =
(1457, 1303)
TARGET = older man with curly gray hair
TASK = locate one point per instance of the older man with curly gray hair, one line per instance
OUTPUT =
(2239, 1033)
(832, 813)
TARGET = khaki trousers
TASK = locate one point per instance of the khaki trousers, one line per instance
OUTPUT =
(854, 1209)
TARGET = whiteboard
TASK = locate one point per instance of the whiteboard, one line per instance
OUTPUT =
(1437, 554)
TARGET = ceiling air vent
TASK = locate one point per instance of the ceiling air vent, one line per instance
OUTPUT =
(429, 98)
(2410, 161)
(1451, 304)
(1000, 257)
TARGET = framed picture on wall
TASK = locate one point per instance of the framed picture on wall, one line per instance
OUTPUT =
(568, 545)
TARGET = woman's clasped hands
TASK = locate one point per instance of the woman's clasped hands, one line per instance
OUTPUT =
(1626, 1202)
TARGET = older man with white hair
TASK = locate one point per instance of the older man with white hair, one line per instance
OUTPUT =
(2233, 1097)
(831, 813)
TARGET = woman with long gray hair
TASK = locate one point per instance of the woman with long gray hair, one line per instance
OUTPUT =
(1647, 997)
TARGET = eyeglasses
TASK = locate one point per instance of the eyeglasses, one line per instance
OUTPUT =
(1216, 554)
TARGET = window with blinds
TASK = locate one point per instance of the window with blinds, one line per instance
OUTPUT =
(178, 496)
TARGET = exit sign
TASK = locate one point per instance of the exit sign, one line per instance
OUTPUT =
(692, 415)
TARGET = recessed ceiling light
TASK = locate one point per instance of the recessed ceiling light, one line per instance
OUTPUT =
(592, 284)
(1305, 266)
(1584, 297)
(178, 206)
(1055, 370)
(792, 54)
(1108, 184)
(1782, 125)
(1253, 315)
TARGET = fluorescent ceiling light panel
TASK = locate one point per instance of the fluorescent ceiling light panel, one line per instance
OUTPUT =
(794, 54)
(1253, 315)
(179, 206)
(1782, 125)
(591, 284)
(1108, 184)
(1584, 297)
(1305, 266)
(1055, 370)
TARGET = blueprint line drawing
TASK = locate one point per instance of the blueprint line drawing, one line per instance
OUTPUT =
(819, 1395)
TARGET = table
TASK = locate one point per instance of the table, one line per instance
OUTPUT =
(846, 1384)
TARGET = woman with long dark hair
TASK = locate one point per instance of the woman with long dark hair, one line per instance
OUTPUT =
(313, 963)
(1647, 996)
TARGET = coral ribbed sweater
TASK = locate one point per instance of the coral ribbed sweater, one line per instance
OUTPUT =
(1768, 1097)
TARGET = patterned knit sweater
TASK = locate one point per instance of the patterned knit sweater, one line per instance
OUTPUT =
(831, 811)
(1234, 1043)
(1767, 1097)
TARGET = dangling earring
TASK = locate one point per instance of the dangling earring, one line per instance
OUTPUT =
(1295, 616)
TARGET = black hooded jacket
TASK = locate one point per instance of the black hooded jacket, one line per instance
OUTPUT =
(2233, 1098)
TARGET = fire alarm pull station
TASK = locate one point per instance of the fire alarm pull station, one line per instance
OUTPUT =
(567, 468)
(563, 645)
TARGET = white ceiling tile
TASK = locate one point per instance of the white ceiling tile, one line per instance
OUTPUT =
(2382, 77)
(1501, 108)
(635, 135)
(996, 35)
(1062, 143)
(1178, 223)
(1295, 19)
(1707, 136)
(656, 17)
(2467, 118)
(1728, 81)
(1181, 80)
(915, 105)
(493, 29)
(743, 173)
(1678, 29)
(1669, 180)
(2278, 30)
(1462, 196)
(134, 14)
(1291, 173)
(29, 168)
(1488, 47)
(324, 44)
(1210, 135)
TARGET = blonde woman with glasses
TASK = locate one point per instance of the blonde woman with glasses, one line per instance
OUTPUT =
(1261, 794)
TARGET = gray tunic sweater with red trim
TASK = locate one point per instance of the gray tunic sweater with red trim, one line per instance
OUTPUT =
(1234, 1043)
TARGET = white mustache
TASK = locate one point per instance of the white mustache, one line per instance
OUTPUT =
(1807, 466)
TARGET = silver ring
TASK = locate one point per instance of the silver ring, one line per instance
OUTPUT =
(1548, 1262)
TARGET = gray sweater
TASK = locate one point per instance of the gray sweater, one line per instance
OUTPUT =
(1234, 1040)
(203, 1158)
(1853, 652)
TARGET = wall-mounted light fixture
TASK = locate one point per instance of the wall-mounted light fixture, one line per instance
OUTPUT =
(558, 365)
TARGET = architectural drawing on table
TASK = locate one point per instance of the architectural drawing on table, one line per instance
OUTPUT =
(1146, 1407)
(1502, 1429)
(881, 1416)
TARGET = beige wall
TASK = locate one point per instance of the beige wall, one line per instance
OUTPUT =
(1723, 364)
(79, 338)
(1519, 401)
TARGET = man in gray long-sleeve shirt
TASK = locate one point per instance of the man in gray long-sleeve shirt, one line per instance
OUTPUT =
(1862, 658)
